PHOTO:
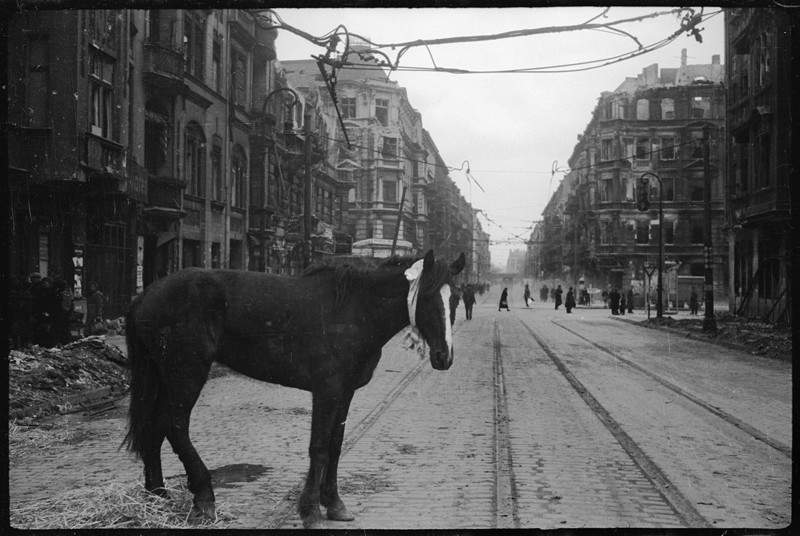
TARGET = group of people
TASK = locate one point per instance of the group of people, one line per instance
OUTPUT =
(42, 310)
(617, 301)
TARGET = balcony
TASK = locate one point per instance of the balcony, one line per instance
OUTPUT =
(163, 68)
(164, 197)
(763, 203)
(104, 157)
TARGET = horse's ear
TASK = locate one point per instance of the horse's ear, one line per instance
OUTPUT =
(427, 264)
(458, 264)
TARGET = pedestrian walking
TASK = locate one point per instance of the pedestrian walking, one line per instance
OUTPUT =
(569, 304)
(469, 300)
(543, 293)
(559, 292)
(693, 302)
(629, 299)
(95, 307)
(504, 300)
(605, 295)
(455, 297)
(622, 304)
(613, 301)
(527, 295)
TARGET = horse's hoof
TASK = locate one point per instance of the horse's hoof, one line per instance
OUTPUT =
(340, 513)
(161, 492)
(206, 509)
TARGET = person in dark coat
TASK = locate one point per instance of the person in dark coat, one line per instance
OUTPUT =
(504, 300)
(613, 301)
(63, 314)
(559, 292)
(629, 299)
(569, 304)
(527, 295)
(543, 293)
(693, 302)
(469, 301)
(95, 307)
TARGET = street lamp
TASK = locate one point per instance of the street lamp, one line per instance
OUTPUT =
(287, 125)
(643, 205)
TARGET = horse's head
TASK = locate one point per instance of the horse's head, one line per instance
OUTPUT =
(432, 312)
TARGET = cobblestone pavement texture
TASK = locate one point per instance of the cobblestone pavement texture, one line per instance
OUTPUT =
(429, 460)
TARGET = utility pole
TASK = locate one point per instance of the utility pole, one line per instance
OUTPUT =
(307, 193)
(709, 322)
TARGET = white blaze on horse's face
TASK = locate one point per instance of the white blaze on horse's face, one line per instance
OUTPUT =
(445, 292)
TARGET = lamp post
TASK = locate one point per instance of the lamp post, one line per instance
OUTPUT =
(643, 206)
(287, 126)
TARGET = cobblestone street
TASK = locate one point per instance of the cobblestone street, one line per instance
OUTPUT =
(568, 433)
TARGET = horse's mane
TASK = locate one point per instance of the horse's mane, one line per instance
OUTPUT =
(345, 275)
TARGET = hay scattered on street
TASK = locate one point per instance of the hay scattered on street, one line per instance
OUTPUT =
(117, 506)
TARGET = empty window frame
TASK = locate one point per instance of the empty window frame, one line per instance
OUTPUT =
(642, 148)
(348, 106)
(382, 111)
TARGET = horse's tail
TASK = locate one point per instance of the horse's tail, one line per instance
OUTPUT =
(144, 388)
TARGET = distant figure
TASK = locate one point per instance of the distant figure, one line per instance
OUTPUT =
(543, 293)
(569, 304)
(605, 295)
(559, 292)
(469, 300)
(95, 306)
(622, 300)
(527, 295)
(629, 299)
(504, 300)
(613, 301)
(454, 299)
(66, 304)
(693, 302)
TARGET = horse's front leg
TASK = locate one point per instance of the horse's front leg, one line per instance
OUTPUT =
(329, 492)
(323, 416)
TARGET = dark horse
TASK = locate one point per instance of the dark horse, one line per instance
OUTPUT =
(322, 332)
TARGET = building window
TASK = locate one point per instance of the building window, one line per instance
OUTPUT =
(216, 61)
(390, 191)
(101, 83)
(606, 152)
(764, 150)
(667, 109)
(642, 110)
(194, 42)
(668, 149)
(382, 111)
(669, 233)
(642, 232)
(44, 254)
(238, 167)
(191, 253)
(239, 77)
(668, 188)
(216, 255)
(697, 233)
(642, 148)
(216, 172)
(628, 144)
(195, 160)
(696, 187)
(348, 107)
(606, 189)
(389, 149)
(37, 88)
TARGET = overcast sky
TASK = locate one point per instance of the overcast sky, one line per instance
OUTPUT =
(510, 127)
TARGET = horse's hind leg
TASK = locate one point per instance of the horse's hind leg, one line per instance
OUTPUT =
(329, 490)
(151, 456)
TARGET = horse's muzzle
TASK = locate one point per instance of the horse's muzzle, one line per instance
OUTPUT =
(441, 360)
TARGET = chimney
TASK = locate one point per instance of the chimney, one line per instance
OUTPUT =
(683, 57)
(715, 59)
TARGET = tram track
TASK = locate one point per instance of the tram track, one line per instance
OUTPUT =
(682, 506)
(727, 417)
(505, 497)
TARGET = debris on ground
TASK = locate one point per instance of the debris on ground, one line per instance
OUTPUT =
(43, 377)
(760, 338)
(118, 505)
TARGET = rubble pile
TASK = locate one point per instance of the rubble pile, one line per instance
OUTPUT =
(42, 377)
(760, 338)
